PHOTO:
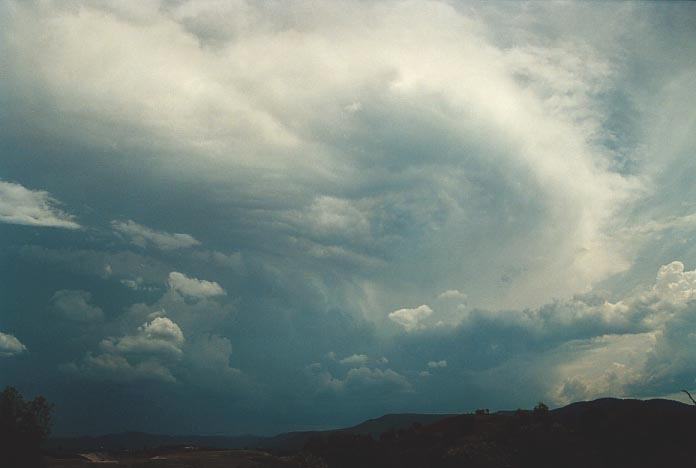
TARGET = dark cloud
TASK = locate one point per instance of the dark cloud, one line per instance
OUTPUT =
(282, 216)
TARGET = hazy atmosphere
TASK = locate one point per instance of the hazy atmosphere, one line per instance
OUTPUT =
(260, 216)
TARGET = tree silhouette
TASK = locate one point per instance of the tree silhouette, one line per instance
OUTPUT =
(24, 425)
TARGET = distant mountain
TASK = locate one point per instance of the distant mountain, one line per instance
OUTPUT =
(292, 441)
(286, 442)
(604, 433)
(377, 426)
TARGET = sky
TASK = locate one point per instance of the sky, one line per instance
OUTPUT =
(226, 217)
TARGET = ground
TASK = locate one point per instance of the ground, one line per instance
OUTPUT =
(178, 459)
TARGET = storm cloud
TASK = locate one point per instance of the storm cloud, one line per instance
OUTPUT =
(269, 216)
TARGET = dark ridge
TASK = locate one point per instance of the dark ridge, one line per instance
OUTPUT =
(285, 442)
(604, 433)
(609, 433)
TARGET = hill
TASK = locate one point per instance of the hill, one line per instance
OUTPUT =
(285, 442)
(605, 433)
(602, 433)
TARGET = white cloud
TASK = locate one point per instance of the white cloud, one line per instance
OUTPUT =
(160, 336)
(362, 379)
(75, 305)
(437, 364)
(652, 353)
(334, 219)
(452, 294)
(138, 284)
(19, 205)
(10, 345)
(530, 120)
(355, 359)
(674, 285)
(411, 319)
(605, 366)
(143, 236)
(353, 107)
(193, 287)
(149, 353)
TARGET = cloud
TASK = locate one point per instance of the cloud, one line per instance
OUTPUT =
(452, 294)
(113, 367)
(137, 284)
(335, 218)
(233, 261)
(193, 287)
(674, 285)
(75, 305)
(160, 336)
(383, 170)
(20, 205)
(208, 359)
(10, 346)
(437, 364)
(411, 319)
(150, 353)
(143, 236)
(99, 263)
(362, 380)
(341, 161)
(355, 359)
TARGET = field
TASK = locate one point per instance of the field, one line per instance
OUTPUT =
(177, 459)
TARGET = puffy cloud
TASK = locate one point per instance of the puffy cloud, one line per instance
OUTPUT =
(160, 336)
(113, 367)
(362, 380)
(148, 354)
(437, 364)
(20, 205)
(10, 345)
(193, 287)
(75, 305)
(605, 366)
(355, 359)
(137, 284)
(674, 285)
(452, 294)
(363, 377)
(143, 236)
(411, 319)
